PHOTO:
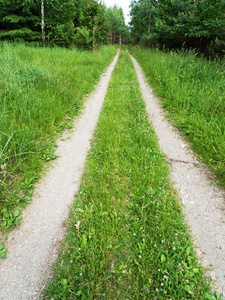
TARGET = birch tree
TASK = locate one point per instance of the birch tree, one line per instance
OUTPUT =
(43, 19)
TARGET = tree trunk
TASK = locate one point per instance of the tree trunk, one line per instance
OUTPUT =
(113, 37)
(43, 20)
(120, 39)
(93, 44)
(149, 22)
(150, 17)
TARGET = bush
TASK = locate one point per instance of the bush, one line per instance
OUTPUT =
(63, 34)
(83, 38)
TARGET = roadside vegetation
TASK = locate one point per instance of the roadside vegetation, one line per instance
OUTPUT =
(193, 92)
(67, 23)
(126, 238)
(178, 24)
(41, 91)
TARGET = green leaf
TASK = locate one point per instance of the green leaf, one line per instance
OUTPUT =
(104, 213)
(209, 297)
(9, 222)
(17, 220)
(84, 241)
(122, 267)
(187, 288)
(6, 215)
(16, 213)
(3, 251)
(218, 296)
(195, 270)
(64, 282)
(3, 224)
(163, 258)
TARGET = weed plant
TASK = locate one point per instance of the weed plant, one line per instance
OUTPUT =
(41, 91)
(193, 91)
(126, 235)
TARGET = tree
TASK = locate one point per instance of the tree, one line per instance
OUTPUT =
(84, 23)
(18, 20)
(180, 23)
(43, 19)
(207, 27)
(143, 13)
(118, 28)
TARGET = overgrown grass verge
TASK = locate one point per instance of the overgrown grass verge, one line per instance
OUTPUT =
(41, 90)
(126, 233)
(193, 91)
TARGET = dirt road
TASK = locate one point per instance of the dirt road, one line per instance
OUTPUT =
(33, 246)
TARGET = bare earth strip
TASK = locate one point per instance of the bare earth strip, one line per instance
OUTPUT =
(33, 246)
(204, 205)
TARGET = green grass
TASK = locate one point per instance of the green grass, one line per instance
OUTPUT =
(41, 91)
(193, 92)
(126, 234)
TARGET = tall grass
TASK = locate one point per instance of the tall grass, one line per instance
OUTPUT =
(126, 235)
(41, 90)
(193, 91)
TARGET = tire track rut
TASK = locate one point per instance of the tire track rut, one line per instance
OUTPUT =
(33, 246)
(204, 204)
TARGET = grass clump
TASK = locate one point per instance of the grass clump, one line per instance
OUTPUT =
(126, 234)
(41, 91)
(193, 91)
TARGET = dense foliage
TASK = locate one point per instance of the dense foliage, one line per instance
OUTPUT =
(180, 23)
(119, 32)
(84, 23)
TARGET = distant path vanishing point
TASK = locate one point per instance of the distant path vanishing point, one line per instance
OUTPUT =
(33, 246)
(204, 204)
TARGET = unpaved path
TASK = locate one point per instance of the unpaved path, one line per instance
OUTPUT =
(204, 205)
(33, 246)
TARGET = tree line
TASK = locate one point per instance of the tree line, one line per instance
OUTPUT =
(172, 24)
(84, 23)
(179, 23)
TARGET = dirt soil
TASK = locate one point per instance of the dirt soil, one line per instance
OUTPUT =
(203, 202)
(33, 246)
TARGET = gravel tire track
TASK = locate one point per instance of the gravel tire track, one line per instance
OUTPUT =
(204, 205)
(33, 246)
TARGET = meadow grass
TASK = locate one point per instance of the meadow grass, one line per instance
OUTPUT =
(41, 91)
(192, 90)
(126, 234)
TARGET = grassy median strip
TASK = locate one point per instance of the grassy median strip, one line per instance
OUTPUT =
(41, 91)
(193, 91)
(126, 234)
